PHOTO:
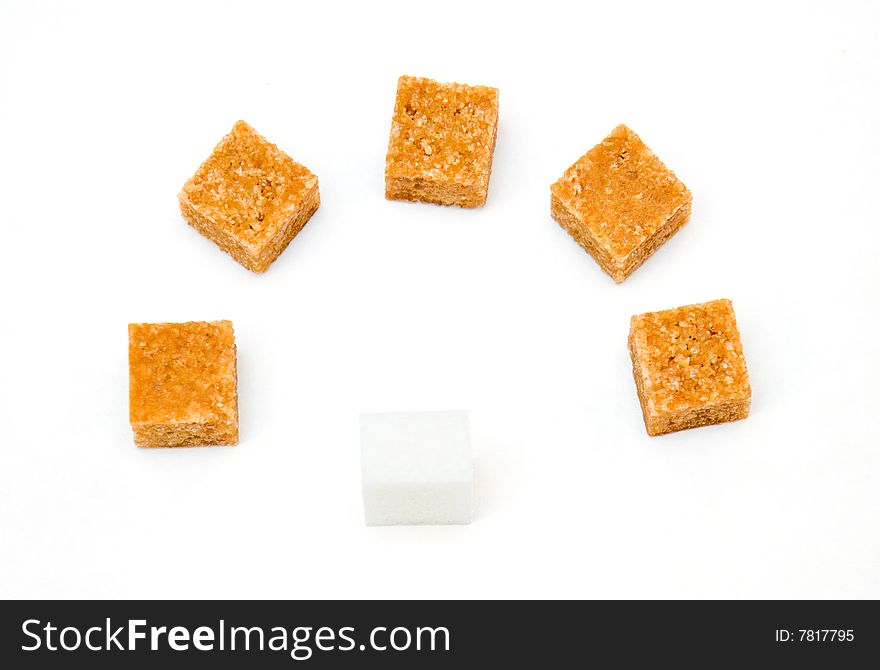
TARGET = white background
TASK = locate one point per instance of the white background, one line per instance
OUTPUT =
(768, 112)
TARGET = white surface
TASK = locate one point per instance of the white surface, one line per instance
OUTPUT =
(767, 111)
(417, 468)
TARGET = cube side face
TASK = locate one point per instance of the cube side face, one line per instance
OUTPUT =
(219, 235)
(424, 504)
(689, 367)
(285, 234)
(416, 468)
(569, 221)
(247, 196)
(622, 202)
(441, 142)
(206, 434)
(183, 384)
(434, 192)
(642, 253)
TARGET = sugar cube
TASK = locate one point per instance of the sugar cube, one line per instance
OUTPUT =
(689, 367)
(620, 202)
(183, 384)
(417, 468)
(441, 143)
(249, 198)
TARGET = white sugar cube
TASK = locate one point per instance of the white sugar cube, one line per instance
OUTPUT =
(417, 468)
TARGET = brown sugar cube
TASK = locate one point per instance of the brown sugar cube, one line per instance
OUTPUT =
(249, 198)
(689, 367)
(441, 144)
(182, 384)
(620, 203)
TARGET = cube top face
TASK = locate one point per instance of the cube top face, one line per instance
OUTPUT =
(689, 359)
(182, 379)
(248, 190)
(441, 143)
(620, 194)
(416, 448)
